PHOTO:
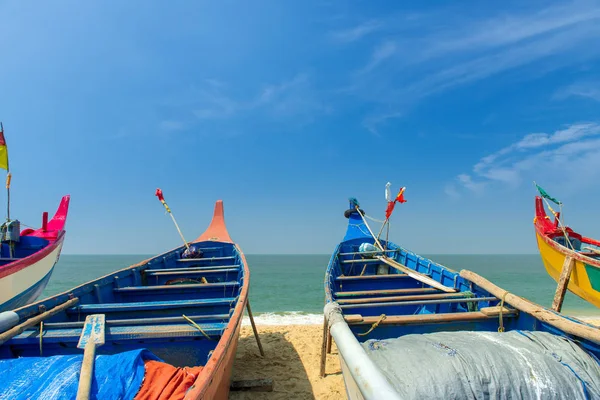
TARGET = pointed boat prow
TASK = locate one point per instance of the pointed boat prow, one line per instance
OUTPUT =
(217, 230)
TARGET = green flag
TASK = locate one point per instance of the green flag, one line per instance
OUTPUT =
(547, 196)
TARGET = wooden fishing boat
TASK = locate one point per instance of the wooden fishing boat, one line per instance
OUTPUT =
(559, 248)
(27, 258)
(185, 311)
(383, 298)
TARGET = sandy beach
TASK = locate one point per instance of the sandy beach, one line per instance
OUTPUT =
(292, 359)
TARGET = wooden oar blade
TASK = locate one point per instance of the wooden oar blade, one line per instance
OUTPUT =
(93, 331)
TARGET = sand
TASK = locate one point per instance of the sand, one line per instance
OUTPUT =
(292, 361)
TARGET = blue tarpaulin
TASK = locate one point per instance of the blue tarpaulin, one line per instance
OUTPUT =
(116, 376)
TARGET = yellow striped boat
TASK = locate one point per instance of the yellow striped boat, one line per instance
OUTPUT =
(556, 244)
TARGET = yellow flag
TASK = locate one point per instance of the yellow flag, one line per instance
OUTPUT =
(3, 150)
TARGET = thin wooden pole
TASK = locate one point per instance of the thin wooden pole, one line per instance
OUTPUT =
(329, 340)
(542, 314)
(415, 275)
(260, 348)
(370, 231)
(563, 283)
(324, 347)
(18, 329)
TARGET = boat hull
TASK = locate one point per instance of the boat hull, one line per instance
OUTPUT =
(26, 281)
(585, 277)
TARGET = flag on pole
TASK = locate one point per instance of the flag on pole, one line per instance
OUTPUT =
(3, 150)
(160, 196)
(391, 204)
(545, 195)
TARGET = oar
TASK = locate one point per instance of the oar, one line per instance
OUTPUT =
(91, 337)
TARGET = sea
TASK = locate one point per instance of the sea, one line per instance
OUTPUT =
(289, 289)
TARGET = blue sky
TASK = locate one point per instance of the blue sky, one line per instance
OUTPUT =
(284, 109)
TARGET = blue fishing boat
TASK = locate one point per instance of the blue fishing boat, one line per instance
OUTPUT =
(406, 327)
(166, 327)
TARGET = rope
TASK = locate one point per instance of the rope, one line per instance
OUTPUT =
(363, 271)
(382, 317)
(375, 220)
(195, 325)
(501, 322)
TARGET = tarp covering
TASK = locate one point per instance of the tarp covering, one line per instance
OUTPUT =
(116, 376)
(166, 382)
(487, 365)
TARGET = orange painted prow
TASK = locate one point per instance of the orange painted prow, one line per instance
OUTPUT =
(216, 231)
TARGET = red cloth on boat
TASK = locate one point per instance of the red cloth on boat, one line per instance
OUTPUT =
(163, 381)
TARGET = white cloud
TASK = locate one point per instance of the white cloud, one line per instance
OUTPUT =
(358, 32)
(557, 156)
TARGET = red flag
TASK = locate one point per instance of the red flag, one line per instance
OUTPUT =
(389, 209)
(159, 195)
(391, 204)
(400, 197)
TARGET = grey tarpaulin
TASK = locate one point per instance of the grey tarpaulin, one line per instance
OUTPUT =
(487, 365)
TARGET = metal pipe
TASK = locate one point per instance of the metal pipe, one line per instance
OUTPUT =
(367, 376)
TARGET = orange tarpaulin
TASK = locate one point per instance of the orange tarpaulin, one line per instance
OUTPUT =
(163, 381)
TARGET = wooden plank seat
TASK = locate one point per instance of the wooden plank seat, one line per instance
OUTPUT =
(116, 333)
(203, 259)
(148, 305)
(345, 278)
(402, 298)
(175, 288)
(368, 252)
(386, 292)
(420, 302)
(356, 319)
(205, 268)
(206, 276)
(142, 321)
(362, 261)
(187, 272)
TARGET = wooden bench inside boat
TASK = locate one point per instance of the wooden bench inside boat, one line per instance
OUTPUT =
(105, 308)
(402, 298)
(211, 275)
(144, 321)
(116, 333)
(203, 260)
(206, 268)
(175, 292)
(386, 292)
(345, 278)
(357, 319)
(463, 299)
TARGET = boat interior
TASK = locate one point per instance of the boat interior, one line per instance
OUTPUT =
(379, 301)
(178, 308)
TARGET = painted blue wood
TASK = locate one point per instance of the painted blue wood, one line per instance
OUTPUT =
(143, 306)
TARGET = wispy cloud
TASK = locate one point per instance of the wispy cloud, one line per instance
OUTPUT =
(357, 32)
(382, 52)
(448, 50)
(295, 97)
(589, 90)
(556, 156)
(171, 125)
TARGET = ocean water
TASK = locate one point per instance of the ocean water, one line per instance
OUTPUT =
(288, 289)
